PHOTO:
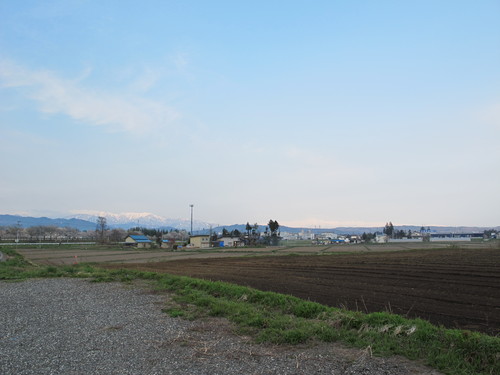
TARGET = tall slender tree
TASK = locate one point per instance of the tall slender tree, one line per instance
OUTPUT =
(389, 229)
(248, 228)
(101, 229)
(274, 229)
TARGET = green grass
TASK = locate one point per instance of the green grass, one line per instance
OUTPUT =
(282, 319)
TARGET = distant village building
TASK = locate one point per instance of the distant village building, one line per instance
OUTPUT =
(355, 238)
(307, 235)
(338, 240)
(201, 241)
(454, 237)
(230, 242)
(290, 236)
(138, 241)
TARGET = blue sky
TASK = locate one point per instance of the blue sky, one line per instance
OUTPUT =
(318, 113)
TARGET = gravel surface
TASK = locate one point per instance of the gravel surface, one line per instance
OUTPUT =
(73, 326)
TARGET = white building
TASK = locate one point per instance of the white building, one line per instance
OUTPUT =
(290, 236)
(230, 242)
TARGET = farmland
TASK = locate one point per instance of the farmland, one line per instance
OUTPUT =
(450, 286)
(453, 287)
(69, 254)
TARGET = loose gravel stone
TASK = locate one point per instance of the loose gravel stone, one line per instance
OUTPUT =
(73, 326)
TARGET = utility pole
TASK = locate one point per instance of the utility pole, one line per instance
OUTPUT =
(17, 231)
(210, 237)
(191, 218)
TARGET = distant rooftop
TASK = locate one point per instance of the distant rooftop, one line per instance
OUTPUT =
(139, 238)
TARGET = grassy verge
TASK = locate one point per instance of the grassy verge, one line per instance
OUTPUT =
(282, 319)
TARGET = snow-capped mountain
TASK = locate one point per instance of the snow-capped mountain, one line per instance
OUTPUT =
(140, 219)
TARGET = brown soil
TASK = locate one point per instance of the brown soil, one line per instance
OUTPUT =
(452, 287)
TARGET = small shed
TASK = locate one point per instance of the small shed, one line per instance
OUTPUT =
(138, 241)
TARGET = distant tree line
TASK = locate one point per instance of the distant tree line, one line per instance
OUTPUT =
(102, 233)
(151, 232)
(368, 237)
(233, 233)
(391, 232)
(253, 236)
(43, 233)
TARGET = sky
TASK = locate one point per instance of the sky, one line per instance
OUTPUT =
(311, 113)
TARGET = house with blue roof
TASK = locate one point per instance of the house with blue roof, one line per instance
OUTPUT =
(138, 241)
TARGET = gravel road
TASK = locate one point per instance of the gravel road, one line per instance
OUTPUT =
(73, 326)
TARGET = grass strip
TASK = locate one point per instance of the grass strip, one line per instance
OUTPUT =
(282, 319)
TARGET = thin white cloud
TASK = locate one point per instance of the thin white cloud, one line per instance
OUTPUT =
(115, 111)
(147, 80)
(148, 76)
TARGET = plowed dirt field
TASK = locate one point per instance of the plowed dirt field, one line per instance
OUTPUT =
(452, 287)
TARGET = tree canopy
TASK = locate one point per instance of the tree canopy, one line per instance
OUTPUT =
(274, 229)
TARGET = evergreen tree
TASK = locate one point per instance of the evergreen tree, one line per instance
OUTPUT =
(389, 229)
(248, 228)
(274, 228)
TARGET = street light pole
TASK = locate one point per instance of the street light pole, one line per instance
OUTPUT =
(17, 232)
(191, 218)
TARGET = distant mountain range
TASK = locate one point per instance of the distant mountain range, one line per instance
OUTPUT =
(147, 220)
(141, 219)
(89, 221)
(26, 222)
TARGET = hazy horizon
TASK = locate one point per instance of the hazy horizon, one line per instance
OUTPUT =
(197, 221)
(310, 113)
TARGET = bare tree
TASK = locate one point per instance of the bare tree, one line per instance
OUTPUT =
(11, 231)
(102, 226)
(71, 233)
(15, 232)
(176, 235)
(117, 235)
(50, 230)
(33, 232)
